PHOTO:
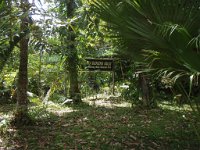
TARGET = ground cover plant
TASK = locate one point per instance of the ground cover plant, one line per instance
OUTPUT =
(103, 125)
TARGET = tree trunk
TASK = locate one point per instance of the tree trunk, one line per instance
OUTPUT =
(72, 61)
(145, 91)
(21, 115)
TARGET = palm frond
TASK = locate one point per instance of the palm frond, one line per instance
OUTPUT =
(166, 26)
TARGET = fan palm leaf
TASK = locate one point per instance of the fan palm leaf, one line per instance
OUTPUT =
(168, 27)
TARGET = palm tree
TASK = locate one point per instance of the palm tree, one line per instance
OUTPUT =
(167, 32)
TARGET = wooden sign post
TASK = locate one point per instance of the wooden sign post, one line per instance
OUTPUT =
(102, 64)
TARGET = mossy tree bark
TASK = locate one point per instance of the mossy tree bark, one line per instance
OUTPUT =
(72, 61)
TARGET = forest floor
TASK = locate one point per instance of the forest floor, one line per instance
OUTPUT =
(107, 124)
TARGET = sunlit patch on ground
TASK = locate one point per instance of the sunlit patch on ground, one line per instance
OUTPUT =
(55, 108)
(106, 101)
(62, 111)
(174, 107)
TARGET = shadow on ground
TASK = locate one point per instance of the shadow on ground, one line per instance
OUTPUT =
(97, 127)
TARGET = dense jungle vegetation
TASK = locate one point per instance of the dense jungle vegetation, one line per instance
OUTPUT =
(99, 74)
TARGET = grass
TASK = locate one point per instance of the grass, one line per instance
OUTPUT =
(100, 127)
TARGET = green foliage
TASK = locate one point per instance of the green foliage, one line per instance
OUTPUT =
(163, 34)
(9, 31)
(132, 93)
(38, 113)
(149, 23)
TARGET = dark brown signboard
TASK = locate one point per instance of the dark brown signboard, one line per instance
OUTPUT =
(102, 64)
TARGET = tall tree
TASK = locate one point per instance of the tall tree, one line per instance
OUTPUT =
(21, 115)
(72, 58)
